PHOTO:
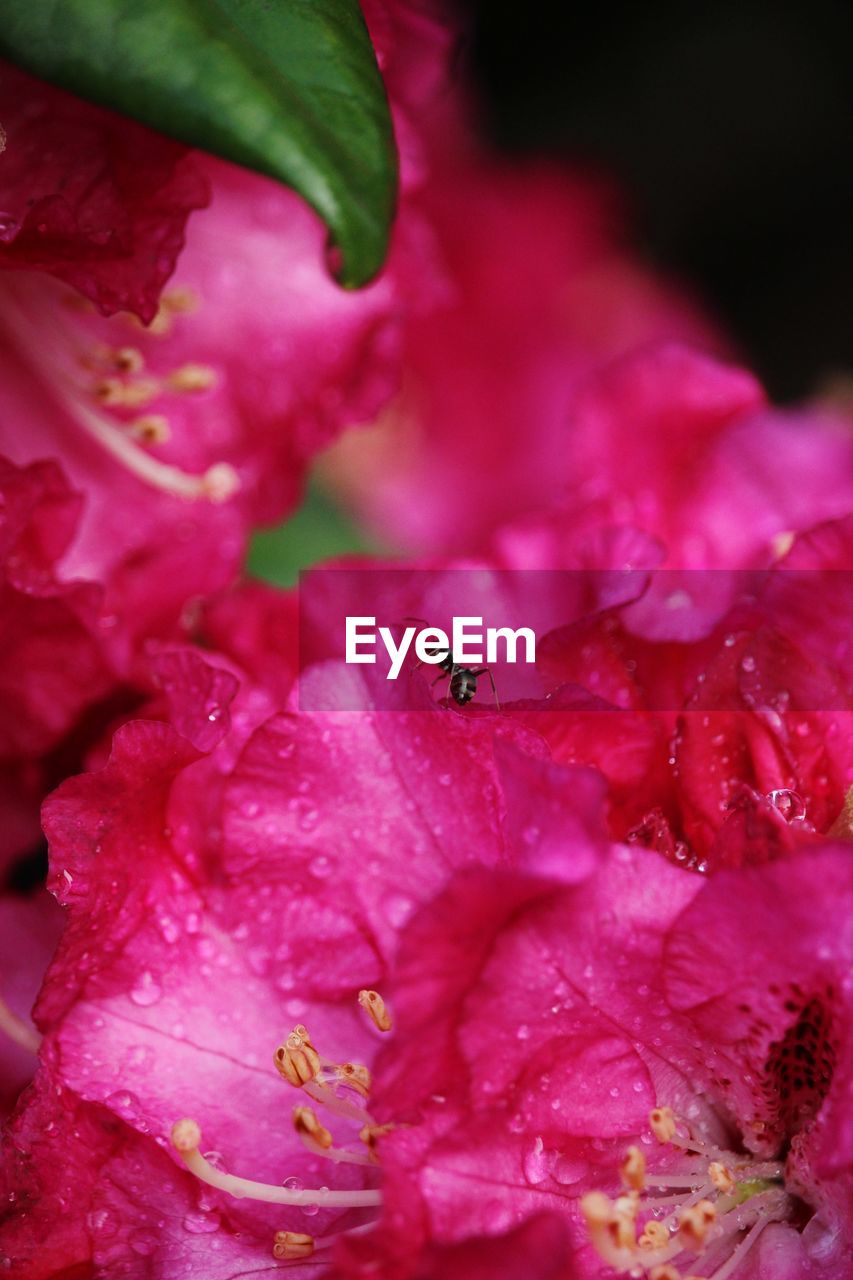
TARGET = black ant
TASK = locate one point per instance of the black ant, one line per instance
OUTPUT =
(463, 680)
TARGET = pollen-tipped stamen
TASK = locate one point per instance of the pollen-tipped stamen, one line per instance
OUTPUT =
(53, 358)
(21, 1032)
(316, 1138)
(712, 1203)
(299, 1063)
(376, 1008)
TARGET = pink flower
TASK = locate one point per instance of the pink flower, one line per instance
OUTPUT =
(514, 282)
(685, 448)
(91, 197)
(173, 441)
(222, 890)
(540, 1027)
(481, 432)
(29, 930)
(729, 739)
(201, 425)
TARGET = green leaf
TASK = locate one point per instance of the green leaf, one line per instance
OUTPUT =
(318, 531)
(287, 87)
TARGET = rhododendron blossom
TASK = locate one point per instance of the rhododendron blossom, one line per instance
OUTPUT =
(363, 970)
(662, 1061)
(263, 894)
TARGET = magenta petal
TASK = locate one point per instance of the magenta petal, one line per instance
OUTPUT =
(539, 1249)
(91, 197)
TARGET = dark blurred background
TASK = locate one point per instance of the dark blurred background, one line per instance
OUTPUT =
(729, 124)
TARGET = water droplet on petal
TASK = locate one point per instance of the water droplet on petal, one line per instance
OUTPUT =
(201, 1223)
(789, 803)
(147, 990)
(536, 1163)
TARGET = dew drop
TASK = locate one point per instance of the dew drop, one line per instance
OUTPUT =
(789, 803)
(320, 866)
(147, 990)
(535, 1163)
(201, 1223)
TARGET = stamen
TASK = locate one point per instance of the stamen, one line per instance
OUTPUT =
(308, 1127)
(114, 393)
(128, 360)
(54, 361)
(781, 543)
(376, 1007)
(299, 1063)
(326, 1096)
(191, 378)
(152, 428)
(695, 1223)
(741, 1251)
(186, 1139)
(19, 1031)
(654, 1236)
(354, 1075)
(662, 1121)
(370, 1135)
(290, 1245)
(181, 299)
(317, 1138)
(717, 1198)
(722, 1177)
(297, 1060)
(217, 484)
(633, 1169)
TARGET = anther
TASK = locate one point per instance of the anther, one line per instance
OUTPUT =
(694, 1224)
(375, 1006)
(371, 1133)
(310, 1129)
(356, 1076)
(181, 299)
(292, 1244)
(151, 428)
(654, 1236)
(191, 378)
(297, 1060)
(116, 394)
(633, 1169)
(623, 1222)
(127, 360)
(781, 543)
(220, 482)
(662, 1121)
(186, 1136)
(721, 1176)
(19, 1031)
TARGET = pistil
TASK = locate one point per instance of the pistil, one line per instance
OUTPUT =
(186, 1139)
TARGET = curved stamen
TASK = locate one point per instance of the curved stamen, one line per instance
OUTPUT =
(376, 1008)
(50, 360)
(186, 1139)
(318, 1140)
(19, 1031)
